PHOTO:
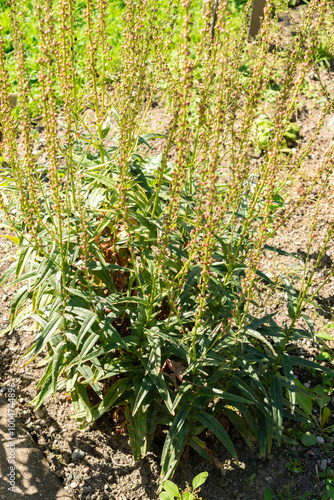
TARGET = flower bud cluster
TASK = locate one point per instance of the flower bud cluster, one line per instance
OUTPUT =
(47, 82)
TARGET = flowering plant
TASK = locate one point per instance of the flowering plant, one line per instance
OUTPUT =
(143, 273)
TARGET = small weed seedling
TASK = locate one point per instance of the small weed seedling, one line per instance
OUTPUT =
(285, 495)
(295, 465)
(310, 402)
(329, 476)
(190, 493)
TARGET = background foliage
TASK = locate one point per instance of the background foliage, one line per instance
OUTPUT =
(143, 272)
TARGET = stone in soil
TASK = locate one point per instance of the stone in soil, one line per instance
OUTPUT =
(323, 465)
(77, 454)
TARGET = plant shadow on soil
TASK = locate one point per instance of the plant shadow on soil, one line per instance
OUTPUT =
(108, 459)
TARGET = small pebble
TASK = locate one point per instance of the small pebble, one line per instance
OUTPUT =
(40, 412)
(74, 484)
(323, 465)
(86, 470)
(320, 440)
(77, 454)
(77, 442)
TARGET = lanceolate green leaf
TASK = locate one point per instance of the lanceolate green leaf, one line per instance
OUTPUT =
(260, 337)
(18, 301)
(106, 181)
(277, 405)
(292, 297)
(47, 267)
(247, 391)
(218, 430)
(114, 393)
(7, 274)
(49, 330)
(56, 365)
(137, 426)
(290, 378)
(175, 442)
(27, 253)
(153, 371)
(90, 377)
(239, 422)
(88, 346)
(262, 434)
(145, 388)
(162, 388)
(309, 324)
(296, 360)
(185, 387)
(85, 327)
(201, 448)
(218, 393)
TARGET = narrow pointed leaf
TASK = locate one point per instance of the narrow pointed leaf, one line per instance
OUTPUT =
(113, 394)
(292, 297)
(218, 430)
(175, 442)
(277, 406)
(137, 426)
(85, 327)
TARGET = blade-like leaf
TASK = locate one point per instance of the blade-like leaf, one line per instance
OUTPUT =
(296, 360)
(218, 430)
(85, 327)
(137, 426)
(175, 442)
(277, 406)
(114, 393)
(290, 378)
(48, 331)
(145, 388)
(292, 297)
(56, 364)
(7, 274)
